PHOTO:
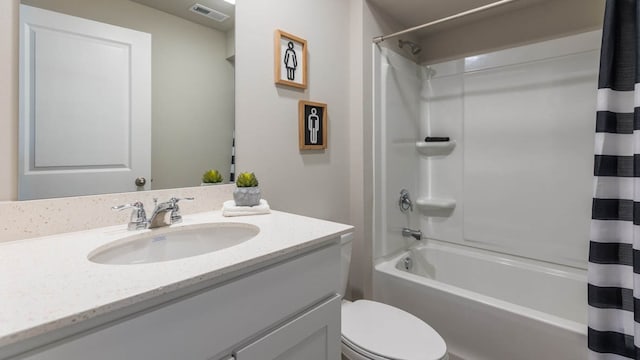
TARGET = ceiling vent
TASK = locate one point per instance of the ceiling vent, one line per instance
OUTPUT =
(208, 12)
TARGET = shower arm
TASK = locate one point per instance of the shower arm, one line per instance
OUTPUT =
(379, 39)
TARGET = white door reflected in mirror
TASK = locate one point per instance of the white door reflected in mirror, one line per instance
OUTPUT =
(85, 124)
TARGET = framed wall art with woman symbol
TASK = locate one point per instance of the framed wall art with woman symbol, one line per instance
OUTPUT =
(290, 60)
(312, 125)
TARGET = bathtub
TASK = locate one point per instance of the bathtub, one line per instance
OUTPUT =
(489, 306)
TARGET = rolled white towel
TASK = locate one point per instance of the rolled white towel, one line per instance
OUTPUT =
(229, 208)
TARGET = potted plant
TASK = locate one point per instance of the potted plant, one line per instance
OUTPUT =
(247, 192)
(211, 177)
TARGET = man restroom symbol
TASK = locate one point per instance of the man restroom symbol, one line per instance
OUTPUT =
(290, 61)
(313, 125)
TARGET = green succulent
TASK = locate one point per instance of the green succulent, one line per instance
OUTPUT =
(247, 180)
(211, 176)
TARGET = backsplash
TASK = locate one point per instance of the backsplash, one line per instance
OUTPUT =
(34, 218)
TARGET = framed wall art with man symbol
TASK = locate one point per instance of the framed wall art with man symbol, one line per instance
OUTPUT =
(312, 125)
(290, 60)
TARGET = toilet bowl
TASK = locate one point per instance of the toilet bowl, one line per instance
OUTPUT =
(377, 331)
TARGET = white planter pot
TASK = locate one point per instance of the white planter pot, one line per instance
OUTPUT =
(247, 196)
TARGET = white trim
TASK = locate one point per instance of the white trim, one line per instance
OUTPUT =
(551, 49)
(617, 144)
(611, 275)
(600, 356)
(614, 231)
(611, 187)
(616, 101)
(617, 320)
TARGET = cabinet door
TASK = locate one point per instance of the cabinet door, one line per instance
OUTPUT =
(314, 335)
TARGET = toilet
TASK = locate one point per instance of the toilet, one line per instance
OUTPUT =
(377, 331)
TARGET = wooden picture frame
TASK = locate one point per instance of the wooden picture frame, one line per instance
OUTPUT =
(312, 125)
(290, 60)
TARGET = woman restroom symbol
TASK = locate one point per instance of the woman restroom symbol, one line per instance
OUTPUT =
(313, 125)
(290, 61)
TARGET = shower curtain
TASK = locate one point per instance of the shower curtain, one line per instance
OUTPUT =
(614, 252)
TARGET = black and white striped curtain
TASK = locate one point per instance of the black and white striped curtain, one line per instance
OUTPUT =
(614, 252)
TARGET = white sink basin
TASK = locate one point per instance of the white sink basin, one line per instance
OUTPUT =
(173, 243)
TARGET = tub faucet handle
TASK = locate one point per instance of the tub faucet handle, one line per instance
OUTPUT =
(405, 201)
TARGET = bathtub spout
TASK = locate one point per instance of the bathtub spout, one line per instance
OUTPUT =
(416, 234)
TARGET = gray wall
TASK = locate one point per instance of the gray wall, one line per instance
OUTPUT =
(314, 183)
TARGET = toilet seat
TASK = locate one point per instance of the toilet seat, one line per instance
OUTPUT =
(353, 353)
(378, 331)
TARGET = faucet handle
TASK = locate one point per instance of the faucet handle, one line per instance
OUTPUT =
(137, 206)
(176, 217)
(405, 201)
(138, 218)
(175, 200)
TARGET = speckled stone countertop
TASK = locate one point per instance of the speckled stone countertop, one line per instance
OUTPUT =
(48, 283)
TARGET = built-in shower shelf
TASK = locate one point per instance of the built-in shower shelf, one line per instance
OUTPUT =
(437, 206)
(435, 148)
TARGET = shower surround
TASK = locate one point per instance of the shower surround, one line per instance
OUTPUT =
(515, 180)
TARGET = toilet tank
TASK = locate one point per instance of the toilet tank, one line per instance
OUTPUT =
(345, 261)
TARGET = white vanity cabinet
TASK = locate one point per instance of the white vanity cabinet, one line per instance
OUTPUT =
(282, 310)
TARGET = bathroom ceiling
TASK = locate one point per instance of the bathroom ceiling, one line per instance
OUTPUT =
(181, 8)
(409, 13)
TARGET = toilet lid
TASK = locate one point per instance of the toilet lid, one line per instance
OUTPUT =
(390, 332)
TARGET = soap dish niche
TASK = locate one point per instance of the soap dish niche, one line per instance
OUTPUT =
(435, 148)
(441, 207)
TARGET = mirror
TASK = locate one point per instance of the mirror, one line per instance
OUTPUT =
(192, 81)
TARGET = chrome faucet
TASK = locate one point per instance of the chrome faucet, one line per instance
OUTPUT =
(416, 234)
(158, 217)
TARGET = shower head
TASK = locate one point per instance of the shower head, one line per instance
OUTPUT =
(415, 48)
